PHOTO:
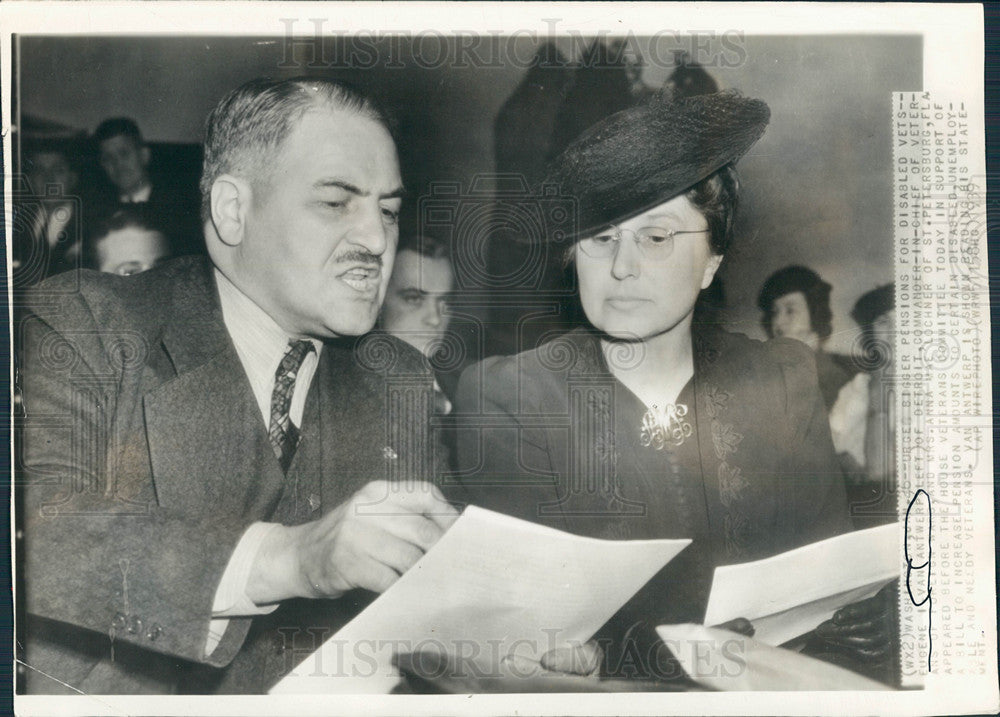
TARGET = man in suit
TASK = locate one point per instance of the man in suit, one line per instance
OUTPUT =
(215, 474)
(47, 217)
(416, 305)
(126, 158)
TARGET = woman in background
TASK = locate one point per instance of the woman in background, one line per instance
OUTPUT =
(796, 305)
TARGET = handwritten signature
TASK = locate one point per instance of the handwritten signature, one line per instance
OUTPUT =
(912, 566)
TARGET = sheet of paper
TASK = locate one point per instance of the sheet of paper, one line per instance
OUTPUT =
(791, 593)
(493, 586)
(726, 661)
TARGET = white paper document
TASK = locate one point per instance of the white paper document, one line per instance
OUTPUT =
(726, 661)
(790, 594)
(493, 586)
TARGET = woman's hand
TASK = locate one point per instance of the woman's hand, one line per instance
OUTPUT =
(586, 659)
(862, 636)
(739, 625)
(582, 659)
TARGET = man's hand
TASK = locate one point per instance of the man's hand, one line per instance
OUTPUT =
(366, 542)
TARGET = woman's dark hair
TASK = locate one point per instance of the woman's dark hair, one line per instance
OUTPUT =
(870, 306)
(813, 288)
(716, 197)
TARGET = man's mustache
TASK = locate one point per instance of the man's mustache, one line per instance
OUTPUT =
(359, 256)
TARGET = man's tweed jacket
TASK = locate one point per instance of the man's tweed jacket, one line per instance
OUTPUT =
(143, 459)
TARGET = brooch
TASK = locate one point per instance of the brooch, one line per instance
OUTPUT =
(665, 426)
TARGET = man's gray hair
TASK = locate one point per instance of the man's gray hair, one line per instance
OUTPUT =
(249, 124)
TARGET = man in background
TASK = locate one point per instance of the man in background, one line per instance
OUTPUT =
(416, 305)
(47, 236)
(126, 159)
(127, 243)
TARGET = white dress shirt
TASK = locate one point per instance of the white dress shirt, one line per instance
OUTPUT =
(260, 344)
(138, 196)
(52, 220)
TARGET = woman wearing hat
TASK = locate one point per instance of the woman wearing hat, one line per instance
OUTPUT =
(796, 303)
(644, 425)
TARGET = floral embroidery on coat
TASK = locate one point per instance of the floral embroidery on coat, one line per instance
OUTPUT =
(732, 484)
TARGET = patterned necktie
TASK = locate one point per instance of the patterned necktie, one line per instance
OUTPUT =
(283, 433)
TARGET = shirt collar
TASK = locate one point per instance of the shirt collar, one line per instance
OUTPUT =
(259, 341)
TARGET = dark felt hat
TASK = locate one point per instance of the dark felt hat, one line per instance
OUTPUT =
(645, 155)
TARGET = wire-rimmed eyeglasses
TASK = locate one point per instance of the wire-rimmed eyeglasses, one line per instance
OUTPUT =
(655, 243)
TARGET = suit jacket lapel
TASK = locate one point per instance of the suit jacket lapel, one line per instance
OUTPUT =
(353, 419)
(373, 422)
(340, 445)
(601, 443)
(196, 332)
(207, 440)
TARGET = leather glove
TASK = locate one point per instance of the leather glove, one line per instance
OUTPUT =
(862, 637)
